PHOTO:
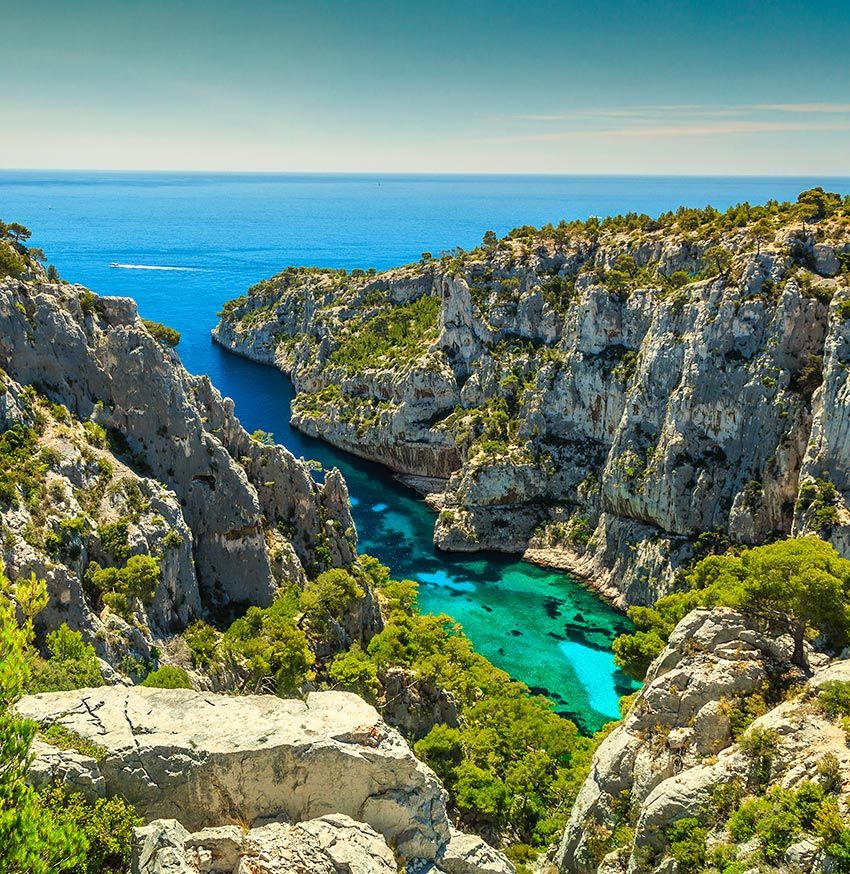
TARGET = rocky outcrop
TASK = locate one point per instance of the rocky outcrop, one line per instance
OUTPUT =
(415, 704)
(141, 444)
(333, 844)
(633, 384)
(677, 744)
(207, 759)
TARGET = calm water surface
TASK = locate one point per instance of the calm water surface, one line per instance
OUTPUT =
(225, 232)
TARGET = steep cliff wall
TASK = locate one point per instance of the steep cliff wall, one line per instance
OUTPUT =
(112, 450)
(612, 398)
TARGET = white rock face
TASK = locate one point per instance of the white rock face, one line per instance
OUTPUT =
(205, 759)
(468, 854)
(179, 472)
(675, 746)
(333, 844)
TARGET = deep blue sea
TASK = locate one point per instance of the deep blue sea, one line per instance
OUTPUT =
(225, 232)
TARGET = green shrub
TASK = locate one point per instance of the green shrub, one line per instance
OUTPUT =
(90, 303)
(742, 823)
(167, 677)
(781, 816)
(834, 698)
(776, 832)
(65, 739)
(818, 499)
(325, 597)
(202, 640)
(442, 749)
(172, 540)
(72, 664)
(760, 745)
(269, 647)
(11, 261)
(634, 653)
(105, 827)
(355, 671)
(162, 333)
(122, 588)
(21, 469)
(114, 539)
(687, 838)
(32, 839)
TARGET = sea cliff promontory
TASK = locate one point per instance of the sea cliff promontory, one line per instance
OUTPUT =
(616, 397)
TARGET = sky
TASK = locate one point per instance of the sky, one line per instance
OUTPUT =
(663, 87)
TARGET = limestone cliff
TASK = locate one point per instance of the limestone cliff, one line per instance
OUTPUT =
(112, 450)
(611, 397)
(723, 718)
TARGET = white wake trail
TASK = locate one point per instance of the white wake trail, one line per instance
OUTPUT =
(149, 267)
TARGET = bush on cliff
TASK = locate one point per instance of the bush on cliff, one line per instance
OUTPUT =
(391, 338)
(104, 826)
(167, 677)
(162, 333)
(265, 648)
(49, 832)
(123, 588)
(799, 586)
(72, 664)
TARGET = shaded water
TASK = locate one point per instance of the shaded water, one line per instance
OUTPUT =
(226, 232)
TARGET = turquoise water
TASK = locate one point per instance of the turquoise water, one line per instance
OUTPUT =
(226, 232)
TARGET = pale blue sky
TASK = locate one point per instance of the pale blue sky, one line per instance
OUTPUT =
(570, 87)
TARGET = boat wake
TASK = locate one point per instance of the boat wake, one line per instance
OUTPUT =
(150, 267)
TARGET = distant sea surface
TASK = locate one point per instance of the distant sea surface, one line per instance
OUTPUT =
(186, 243)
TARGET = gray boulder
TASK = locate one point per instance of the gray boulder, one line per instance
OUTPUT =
(207, 759)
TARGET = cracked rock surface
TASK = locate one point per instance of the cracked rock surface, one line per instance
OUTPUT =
(333, 844)
(207, 759)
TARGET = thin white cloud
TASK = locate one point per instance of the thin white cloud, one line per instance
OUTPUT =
(683, 111)
(721, 128)
(832, 108)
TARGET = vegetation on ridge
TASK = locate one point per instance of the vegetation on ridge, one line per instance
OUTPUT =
(799, 586)
(16, 258)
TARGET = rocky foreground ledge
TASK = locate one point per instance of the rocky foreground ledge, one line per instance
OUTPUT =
(323, 779)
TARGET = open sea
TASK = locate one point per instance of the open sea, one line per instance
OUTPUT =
(187, 243)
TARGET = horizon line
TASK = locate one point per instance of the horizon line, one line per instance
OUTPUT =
(391, 173)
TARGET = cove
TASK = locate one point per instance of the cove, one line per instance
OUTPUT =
(540, 626)
(227, 231)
